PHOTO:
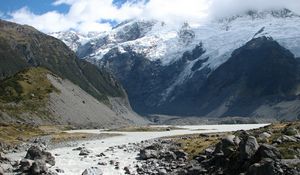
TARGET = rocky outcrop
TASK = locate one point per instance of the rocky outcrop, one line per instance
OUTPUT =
(36, 162)
(84, 152)
(35, 153)
(236, 154)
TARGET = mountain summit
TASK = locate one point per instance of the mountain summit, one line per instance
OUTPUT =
(159, 65)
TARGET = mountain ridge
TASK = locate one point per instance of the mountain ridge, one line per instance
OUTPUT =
(167, 63)
(23, 47)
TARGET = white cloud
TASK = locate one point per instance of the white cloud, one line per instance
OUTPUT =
(93, 26)
(48, 22)
(86, 15)
(221, 8)
(177, 10)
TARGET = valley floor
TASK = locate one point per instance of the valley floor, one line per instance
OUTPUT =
(113, 154)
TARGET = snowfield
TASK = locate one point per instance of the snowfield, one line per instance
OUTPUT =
(73, 164)
(165, 43)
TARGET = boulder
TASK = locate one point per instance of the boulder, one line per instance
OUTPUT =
(228, 141)
(248, 147)
(290, 131)
(38, 167)
(59, 170)
(102, 163)
(264, 136)
(25, 164)
(148, 154)
(265, 167)
(181, 172)
(35, 153)
(162, 171)
(92, 171)
(218, 149)
(228, 151)
(208, 151)
(242, 134)
(7, 167)
(154, 146)
(226, 147)
(196, 170)
(127, 171)
(77, 149)
(1, 171)
(4, 159)
(84, 152)
(48, 158)
(180, 154)
(268, 151)
(286, 138)
(168, 156)
(50, 173)
(200, 158)
(236, 140)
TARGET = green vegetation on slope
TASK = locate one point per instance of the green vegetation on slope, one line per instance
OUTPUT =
(33, 48)
(26, 92)
(12, 134)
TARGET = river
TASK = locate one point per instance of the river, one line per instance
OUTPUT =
(73, 164)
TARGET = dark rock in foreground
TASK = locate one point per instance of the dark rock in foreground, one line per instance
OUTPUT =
(233, 155)
(35, 162)
(92, 171)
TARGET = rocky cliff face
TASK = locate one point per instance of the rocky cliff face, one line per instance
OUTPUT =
(166, 70)
(260, 73)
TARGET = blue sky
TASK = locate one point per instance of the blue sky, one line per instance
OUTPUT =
(39, 6)
(101, 15)
(36, 6)
(54, 15)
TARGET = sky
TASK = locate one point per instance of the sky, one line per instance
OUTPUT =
(101, 15)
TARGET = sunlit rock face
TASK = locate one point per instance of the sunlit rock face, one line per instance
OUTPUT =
(166, 69)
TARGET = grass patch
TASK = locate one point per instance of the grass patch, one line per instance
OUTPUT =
(66, 137)
(12, 134)
(196, 144)
(27, 92)
(289, 150)
(15, 134)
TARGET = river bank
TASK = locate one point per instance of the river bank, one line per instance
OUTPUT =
(121, 150)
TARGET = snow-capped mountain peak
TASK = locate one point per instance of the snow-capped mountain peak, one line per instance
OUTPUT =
(158, 62)
(159, 41)
(74, 39)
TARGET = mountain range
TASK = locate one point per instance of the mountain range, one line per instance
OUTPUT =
(42, 81)
(246, 65)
